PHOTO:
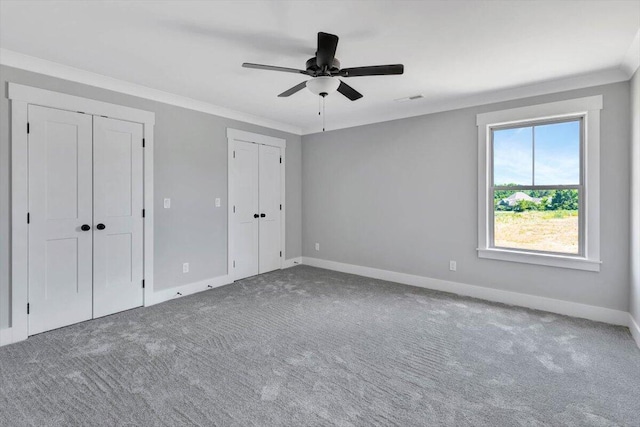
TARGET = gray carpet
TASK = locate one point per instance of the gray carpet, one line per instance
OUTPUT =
(306, 346)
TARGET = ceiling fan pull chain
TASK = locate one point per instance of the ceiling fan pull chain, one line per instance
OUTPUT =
(324, 115)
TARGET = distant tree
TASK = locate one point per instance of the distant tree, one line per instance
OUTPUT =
(565, 199)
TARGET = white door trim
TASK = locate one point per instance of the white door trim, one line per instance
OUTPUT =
(21, 96)
(256, 138)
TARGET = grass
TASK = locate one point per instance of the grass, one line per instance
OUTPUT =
(553, 231)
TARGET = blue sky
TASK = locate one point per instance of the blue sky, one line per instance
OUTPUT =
(557, 155)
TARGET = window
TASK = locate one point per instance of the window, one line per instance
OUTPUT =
(539, 184)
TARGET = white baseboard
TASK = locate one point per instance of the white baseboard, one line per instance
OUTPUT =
(188, 289)
(292, 262)
(600, 314)
(635, 329)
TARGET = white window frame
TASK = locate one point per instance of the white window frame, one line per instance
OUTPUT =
(589, 109)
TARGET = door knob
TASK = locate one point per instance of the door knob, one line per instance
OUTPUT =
(263, 215)
(256, 215)
(101, 226)
(85, 227)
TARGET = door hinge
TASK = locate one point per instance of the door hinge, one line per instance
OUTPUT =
(27, 127)
(143, 213)
(28, 308)
(280, 207)
(234, 209)
(142, 142)
(234, 264)
(280, 159)
(234, 154)
(142, 283)
(28, 218)
(280, 254)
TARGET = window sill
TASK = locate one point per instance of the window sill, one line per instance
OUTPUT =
(562, 261)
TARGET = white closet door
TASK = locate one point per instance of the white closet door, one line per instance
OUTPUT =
(117, 195)
(269, 208)
(60, 203)
(244, 178)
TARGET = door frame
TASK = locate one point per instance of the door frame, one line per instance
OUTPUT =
(21, 97)
(255, 138)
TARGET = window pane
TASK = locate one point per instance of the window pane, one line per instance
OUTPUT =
(557, 154)
(541, 220)
(513, 156)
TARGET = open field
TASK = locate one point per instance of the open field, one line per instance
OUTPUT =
(554, 231)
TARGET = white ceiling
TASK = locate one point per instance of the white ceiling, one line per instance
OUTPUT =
(452, 51)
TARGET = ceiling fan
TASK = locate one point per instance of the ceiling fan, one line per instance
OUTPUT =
(324, 68)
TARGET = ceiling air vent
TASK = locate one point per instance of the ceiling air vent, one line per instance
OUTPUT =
(410, 98)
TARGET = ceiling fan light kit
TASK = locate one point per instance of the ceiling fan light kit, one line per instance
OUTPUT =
(323, 85)
(324, 68)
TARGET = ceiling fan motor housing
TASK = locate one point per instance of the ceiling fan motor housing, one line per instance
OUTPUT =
(314, 70)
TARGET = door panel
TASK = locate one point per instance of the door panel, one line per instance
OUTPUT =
(244, 176)
(60, 202)
(269, 208)
(118, 203)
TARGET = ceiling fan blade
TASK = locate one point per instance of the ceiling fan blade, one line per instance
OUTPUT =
(293, 90)
(273, 68)
(373, 70)
(348, 91)
(327, 45)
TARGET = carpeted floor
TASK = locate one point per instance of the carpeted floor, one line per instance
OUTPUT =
(306, 346)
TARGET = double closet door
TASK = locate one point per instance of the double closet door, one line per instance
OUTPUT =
(85, 217)
(255, 174)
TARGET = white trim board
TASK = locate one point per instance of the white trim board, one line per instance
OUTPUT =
(634, 328)
(600, 314)
(588, 109)
(256, 138)
(631, 60)
(21, 97)
(598, 78)
(30, 63)
(163, 295)
(292, 262)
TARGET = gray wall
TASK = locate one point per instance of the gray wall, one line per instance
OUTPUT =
(402, 196)
(634, 299)
(190, 167)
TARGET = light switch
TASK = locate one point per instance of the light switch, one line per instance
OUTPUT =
(217, 202)
(167, 203)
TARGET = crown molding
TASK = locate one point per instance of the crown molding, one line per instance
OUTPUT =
(42, 66)
(54, 69)
(631, 60)
(611, 75)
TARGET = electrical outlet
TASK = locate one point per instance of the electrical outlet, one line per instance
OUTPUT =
(185, 267)
(167, 203)
(317, 246)
(217, 202)
(452, 265)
